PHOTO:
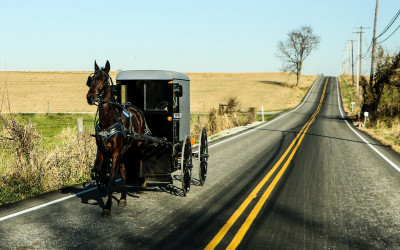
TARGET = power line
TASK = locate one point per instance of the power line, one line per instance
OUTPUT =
(371, 77)
(390, 34)
(365, 54)
(389, 24)
(383, 32)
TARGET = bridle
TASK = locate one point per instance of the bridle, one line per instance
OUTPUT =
(94, 78)
(100, 97)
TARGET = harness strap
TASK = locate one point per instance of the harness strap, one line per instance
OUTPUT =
(127, 114)
(118, 127)
(115, 128)
(104, 135)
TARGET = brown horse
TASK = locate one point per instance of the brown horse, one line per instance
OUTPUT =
(115, 124)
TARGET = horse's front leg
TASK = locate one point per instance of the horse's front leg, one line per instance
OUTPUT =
(98, 161)
(116, 158)
(142, 176)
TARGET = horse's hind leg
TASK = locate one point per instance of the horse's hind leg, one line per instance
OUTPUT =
(142, 178)
(122, 201)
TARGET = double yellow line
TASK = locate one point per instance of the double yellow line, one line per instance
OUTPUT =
(253, 214)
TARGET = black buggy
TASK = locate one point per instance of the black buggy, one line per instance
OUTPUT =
(164, 98)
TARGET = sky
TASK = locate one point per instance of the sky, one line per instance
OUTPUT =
(183, 35)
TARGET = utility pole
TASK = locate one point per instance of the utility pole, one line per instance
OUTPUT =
(371, 77)
(352, 62)
(344, 62)
(359, 68)
(357, 60)
(348, 60)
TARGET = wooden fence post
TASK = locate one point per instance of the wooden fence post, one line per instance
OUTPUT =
(79, 122)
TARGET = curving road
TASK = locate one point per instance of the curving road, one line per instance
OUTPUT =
(306, 180)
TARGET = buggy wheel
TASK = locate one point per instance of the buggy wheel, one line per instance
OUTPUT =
(186, 165)
(203, 156)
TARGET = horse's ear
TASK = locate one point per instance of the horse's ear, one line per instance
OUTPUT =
(107, 68)
(96, 67)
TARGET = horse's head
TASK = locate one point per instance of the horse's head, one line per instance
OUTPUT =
(98, 82)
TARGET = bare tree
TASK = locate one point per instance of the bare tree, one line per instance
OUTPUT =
(297, 47)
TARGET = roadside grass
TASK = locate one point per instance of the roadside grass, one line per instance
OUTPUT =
(202, 120)
(34, 162)
(349, 94)
(386, 129)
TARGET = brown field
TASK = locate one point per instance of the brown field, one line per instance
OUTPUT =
(208, 90)
(66, 91)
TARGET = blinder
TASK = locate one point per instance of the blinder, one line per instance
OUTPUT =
(89, 81)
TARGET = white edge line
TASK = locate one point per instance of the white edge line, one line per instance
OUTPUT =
(45, 204)
(362, 138)
(89, 190)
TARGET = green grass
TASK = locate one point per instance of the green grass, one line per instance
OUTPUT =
(266, 117)
(349, 95)
(347, 90)
(51, 125)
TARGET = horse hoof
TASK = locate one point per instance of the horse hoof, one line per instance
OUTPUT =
(122, 203)
(106, 212)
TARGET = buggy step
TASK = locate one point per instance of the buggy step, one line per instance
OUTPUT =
(159, 178)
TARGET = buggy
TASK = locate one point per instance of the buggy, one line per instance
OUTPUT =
(164, 98)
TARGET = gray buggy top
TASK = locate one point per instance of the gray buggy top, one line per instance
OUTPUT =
(151, 75)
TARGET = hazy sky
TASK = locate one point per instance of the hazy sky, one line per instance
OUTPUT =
(182, 35)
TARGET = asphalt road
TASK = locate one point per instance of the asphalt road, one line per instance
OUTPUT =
(305, 180)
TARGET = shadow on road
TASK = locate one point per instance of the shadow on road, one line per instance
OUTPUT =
(89, 194)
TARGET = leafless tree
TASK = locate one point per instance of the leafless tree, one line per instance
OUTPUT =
(297, 47)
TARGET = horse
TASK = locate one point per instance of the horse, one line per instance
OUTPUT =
(116, 122)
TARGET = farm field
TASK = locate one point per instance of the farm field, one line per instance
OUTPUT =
(274, 91)
(66, 91)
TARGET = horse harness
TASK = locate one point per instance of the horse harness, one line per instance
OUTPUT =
(105, 134)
